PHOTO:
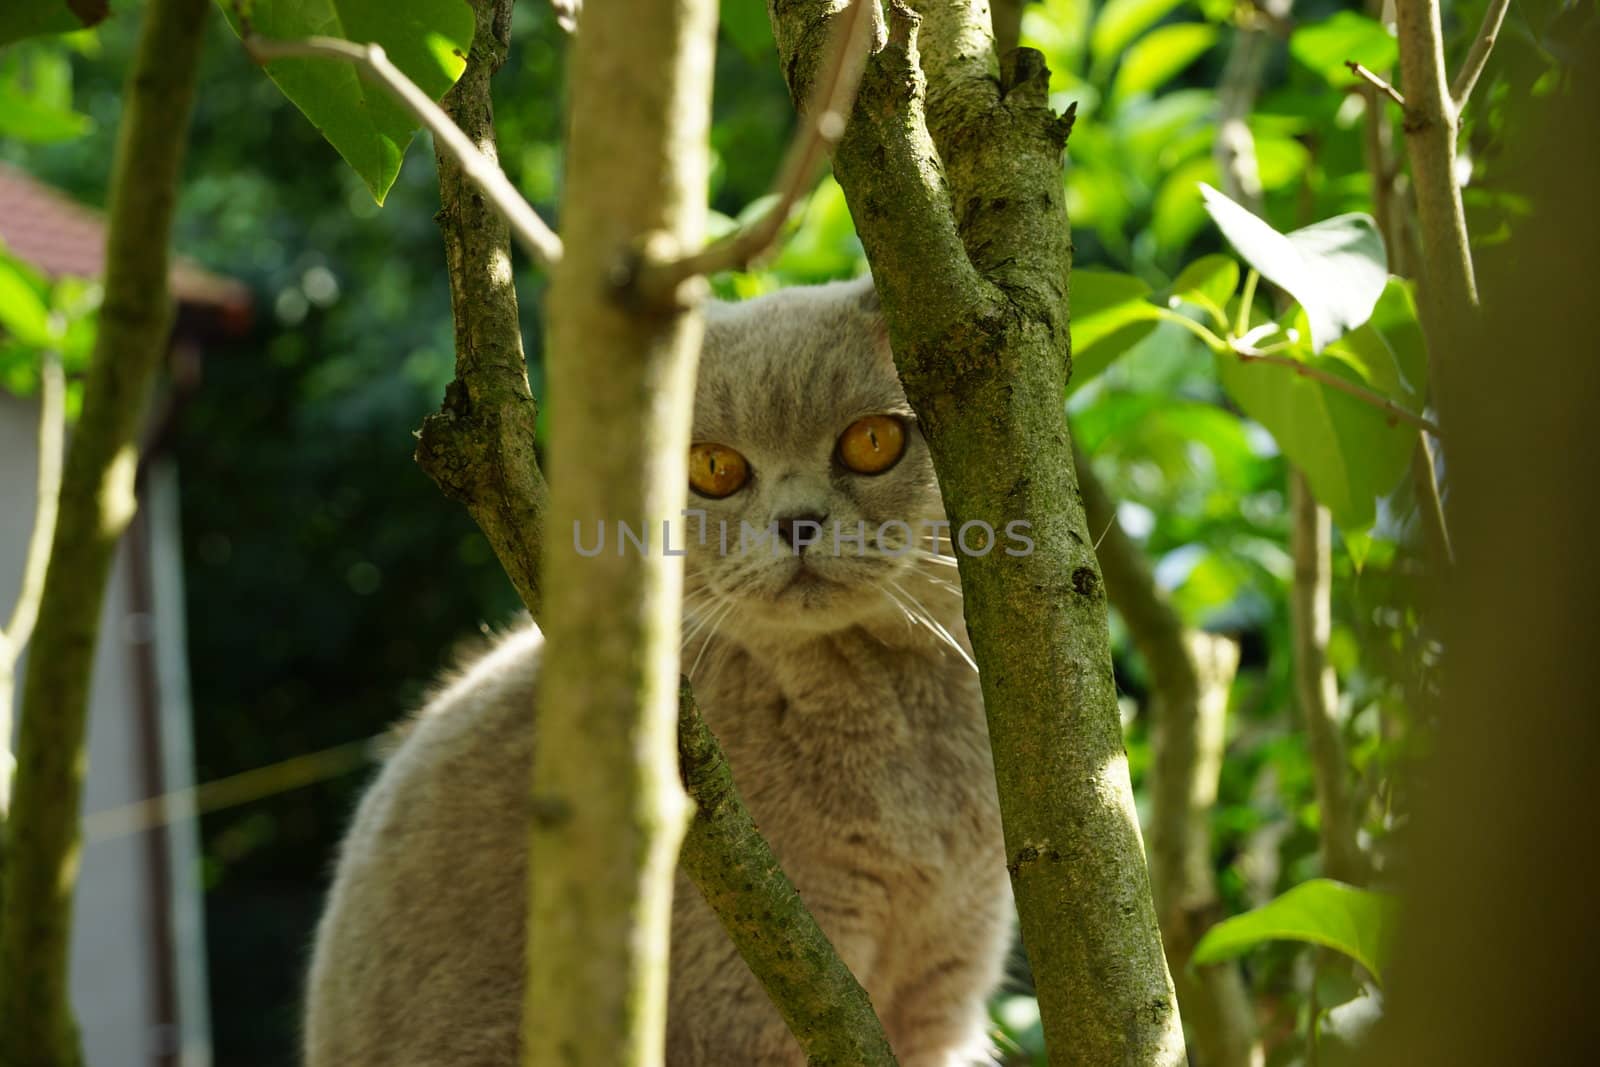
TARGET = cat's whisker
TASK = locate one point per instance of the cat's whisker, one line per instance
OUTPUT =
(936, 626)
(905, 612)
(715, 629)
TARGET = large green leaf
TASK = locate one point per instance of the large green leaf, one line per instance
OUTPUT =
(426, 39)
(33, 18)
(1160, 56)
(1357, 922)
(1325, 46)
(1337, 268)
(1121, 22)
(1351, 451)
(1110, 314)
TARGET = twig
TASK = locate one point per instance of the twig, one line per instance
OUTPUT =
(822, 124)
(1306, 370)
(52, 434)
(532, 231)
(1376, 81)
(1478, 54)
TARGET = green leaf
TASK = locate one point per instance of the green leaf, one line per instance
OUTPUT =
(1160, 56)
(746, 24)
(27, 118)
(1110, 314)
(1121, 22)
(1209, 282)
(1325, 46)
(1337, 268)
(34, 18)
(1357, 922)
(23, 311)
(1352, 453)
(426, 39)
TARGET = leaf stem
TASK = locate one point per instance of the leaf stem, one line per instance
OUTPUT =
(1248, 354)
(1251, 280)
(533, 232)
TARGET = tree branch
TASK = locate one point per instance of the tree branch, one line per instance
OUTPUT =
(539, 240)
(96, 503)
(1190, 675)
(1478, 54)
(1449, 291)
(977, 319)
(1376, 81)
(479, 447)
(822, 123)
(608, 809)
(1311, 623)
(826, 1009)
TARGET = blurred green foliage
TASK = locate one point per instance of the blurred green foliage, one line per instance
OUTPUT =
(328, 580)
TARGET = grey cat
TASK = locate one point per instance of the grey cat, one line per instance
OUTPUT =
(837, 677)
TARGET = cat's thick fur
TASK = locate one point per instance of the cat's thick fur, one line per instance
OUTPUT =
(854, 729)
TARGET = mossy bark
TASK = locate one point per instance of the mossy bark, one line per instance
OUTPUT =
(969, 245)
(608, 809)
(97, 502)
(479, 448)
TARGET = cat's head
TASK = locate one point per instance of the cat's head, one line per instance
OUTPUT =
(802, 434)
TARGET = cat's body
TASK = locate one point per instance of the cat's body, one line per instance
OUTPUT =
(855, 732)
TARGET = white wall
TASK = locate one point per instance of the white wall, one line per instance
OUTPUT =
(113, 959)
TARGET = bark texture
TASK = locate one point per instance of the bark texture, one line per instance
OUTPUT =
(479, 448)
(97, 502)
(969, 245)
(826, 1008)
(608, 810)
(1190, 673)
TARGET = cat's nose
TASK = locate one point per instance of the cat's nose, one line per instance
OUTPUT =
(801, 529)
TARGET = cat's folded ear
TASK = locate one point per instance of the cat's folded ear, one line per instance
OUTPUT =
(865, 296)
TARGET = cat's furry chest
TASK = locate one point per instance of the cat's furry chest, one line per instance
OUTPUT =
(867, 767)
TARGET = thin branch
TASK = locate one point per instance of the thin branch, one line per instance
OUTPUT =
(1316, 686)
(1478, 54)
(822, 124)
(826, 1009)
(47, 493)
(1430, 505)
(479, 448)
(1376, 81)
(1395, 412)
(534, 235)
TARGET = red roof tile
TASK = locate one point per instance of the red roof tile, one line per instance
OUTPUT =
(56, 235)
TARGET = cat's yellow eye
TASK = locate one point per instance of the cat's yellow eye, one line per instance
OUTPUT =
(873, 444)
(716, 471)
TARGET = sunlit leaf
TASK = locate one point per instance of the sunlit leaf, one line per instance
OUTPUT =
(1110, 314)
(1209, 282)
(24, 314)
(426, 39)
(1160, 56)
(1337, 268)
(1325, 46)
(1357, 922)
(1121, 22)
(1351, 451)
